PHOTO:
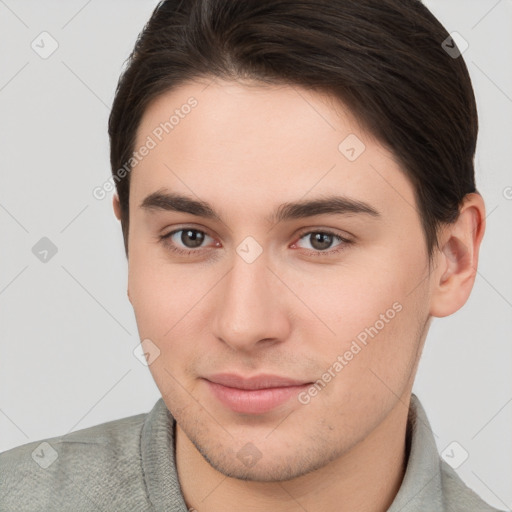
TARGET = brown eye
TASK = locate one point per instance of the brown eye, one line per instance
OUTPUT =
(185, 241)
(321, 242)
(191, 238)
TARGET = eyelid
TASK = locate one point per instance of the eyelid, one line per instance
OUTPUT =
(331, 231)
(184, 227)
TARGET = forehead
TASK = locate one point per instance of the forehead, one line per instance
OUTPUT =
(229, 140)
(285, 112)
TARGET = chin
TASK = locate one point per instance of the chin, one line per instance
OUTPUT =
(268, 463)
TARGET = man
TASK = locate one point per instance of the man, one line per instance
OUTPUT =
(296, 191)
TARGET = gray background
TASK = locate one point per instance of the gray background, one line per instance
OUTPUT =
(67, 329)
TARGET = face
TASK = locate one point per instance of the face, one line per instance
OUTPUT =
(332, 296)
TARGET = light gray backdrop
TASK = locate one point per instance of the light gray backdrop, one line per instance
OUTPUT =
(67, 329)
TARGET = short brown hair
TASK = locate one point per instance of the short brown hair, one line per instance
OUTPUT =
(384, 59)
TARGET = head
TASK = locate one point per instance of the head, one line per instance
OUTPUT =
(298, 199)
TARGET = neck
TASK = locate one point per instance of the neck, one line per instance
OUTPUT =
(365, 479)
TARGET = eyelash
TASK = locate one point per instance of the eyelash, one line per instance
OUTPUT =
(187, 252)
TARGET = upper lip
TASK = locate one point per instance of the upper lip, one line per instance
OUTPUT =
(262, 381)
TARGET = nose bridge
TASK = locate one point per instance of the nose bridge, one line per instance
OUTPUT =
(249, 308)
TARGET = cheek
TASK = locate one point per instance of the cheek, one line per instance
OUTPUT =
(368, 362)
(161, 293)
(344, 300)
(169, 305)
(165, 300)
(373, 311)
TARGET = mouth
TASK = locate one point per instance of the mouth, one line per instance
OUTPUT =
(253, 395)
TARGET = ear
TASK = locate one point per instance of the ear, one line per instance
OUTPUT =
(117, 212)
(117, 206)
(457, 260)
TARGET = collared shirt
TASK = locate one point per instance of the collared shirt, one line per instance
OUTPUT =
(129, 465)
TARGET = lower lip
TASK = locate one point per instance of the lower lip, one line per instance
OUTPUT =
(254, 401)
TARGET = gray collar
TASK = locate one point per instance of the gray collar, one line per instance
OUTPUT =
(421, 487)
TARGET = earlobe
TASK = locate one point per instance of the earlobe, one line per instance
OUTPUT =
(117, 206)
(457, 260)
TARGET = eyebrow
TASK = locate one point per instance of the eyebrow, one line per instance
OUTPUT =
(330, 205)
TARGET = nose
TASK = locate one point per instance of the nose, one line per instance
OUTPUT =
(252, 310)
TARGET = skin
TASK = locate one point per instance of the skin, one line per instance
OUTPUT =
(246, 149)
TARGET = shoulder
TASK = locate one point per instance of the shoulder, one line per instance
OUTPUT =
(458, 496)
(87, 468)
